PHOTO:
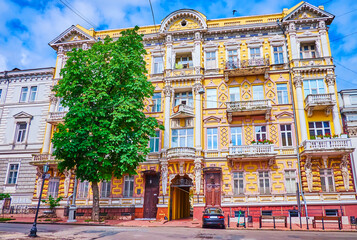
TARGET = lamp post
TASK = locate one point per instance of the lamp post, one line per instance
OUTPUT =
(33, 230)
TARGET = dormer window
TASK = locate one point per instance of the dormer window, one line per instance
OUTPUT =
(307, 51)
(183, 61)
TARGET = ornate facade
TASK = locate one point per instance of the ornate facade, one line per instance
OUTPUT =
(236, 97)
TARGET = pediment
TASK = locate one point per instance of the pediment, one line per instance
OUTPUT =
(212, 119)
(22, 114)
(283, 115)
(307, 11)
(72, 35)
(184, 19)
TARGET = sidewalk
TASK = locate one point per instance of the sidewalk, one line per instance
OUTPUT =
(186, 223)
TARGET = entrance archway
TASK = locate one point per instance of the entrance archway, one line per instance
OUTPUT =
(180, 197)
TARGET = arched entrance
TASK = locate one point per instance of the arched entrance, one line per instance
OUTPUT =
(180, 197)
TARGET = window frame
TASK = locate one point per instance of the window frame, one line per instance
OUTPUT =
(179, 136)
(23, 94)
(210, 59)
(283, 94)
(258, 92)
(107, 191)
(53, 180)
(327, 175)
(239, 177)
(156, 100)
(322, 129)
(320, 89)
(156, 142)
(235, 94)
(260, 133)
(179, 60)
(286, 132)
(128, 193)
(279, 53)
(266, 190)
(33, 92)
(156, 67)
(292, 181)
(309, 53)
(212, 138)
(179, 98)
(211, 100)
(236, 135)
(83, 189)
(9, 171)
(253, 54)
(24, 132)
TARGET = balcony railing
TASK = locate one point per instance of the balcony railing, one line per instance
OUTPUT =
(323, 101)
(254, 107)
(254, 149)
(182, 111)
(254, 66)
(327, 144)
(181, 152)
(56, 117)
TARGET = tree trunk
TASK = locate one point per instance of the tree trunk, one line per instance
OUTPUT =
(95, 209)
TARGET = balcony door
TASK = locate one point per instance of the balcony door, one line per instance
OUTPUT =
(182, 137)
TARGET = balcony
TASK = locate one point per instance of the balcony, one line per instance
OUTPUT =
(319, 102)
(42, 159)
(248, 108)
(254, 152)
(56, 117)
(255, 66)
(329, 147)
(182, 111)
(181, 153)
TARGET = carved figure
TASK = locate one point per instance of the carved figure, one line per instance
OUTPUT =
(67, 181)
(345, 174)
(39, 182)
(308, 172)
(164, 172)
(198, 177)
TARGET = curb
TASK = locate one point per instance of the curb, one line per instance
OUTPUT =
(63, 223)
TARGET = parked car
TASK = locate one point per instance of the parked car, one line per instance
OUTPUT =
(213, 216)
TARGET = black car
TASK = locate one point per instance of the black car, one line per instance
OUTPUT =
(213, 216)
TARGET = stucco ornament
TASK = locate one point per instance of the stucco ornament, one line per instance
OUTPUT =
(198, 175)
(39, 182)
(67, 181)
(164, 172)
(345, 174)
(308, 172)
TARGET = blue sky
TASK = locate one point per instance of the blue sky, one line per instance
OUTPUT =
(27, 26)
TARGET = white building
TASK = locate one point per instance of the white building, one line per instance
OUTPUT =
(24, 105)
(348, 106)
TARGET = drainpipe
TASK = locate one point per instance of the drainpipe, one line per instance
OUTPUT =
(295, 120)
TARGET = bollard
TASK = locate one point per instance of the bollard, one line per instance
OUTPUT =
(245, 226)
(323, 225)
(290, 220)
(339, 223)
(274, 221)
(228, 220)
(260, 222)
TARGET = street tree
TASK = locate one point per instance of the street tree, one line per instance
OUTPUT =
(105, 131)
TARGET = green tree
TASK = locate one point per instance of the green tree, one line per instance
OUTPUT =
(105, 132)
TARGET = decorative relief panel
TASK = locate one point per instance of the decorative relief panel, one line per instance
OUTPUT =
(245, 90)
(274, 133)
(248, 135)
(222, 95)
(270, 90)
(224, 137)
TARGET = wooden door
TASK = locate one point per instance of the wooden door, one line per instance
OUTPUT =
(151, 195)
(213, 189)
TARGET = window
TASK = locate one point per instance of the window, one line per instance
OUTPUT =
(255, 52)
(12, 174)
(307, 51)
(53, 185)
(60, 106)
(353, 98)
(351, 117)
(278, 55)
(319, 128)
(156, 100)
(260, 132)
(232, 59)
(184, 98)
(234, 94)
(21, 132)
(236, 136)
(286, 135)
(290, 181)
(183, 61)
(282, 90)
(211, 60)
(211, 98)
(293, 213)
(23, 95)
(212, 137)
(182, 137)
(267, 213)
(315, 86)
(128, 186)
(83, 188)
(0, 94)
(238, 183)
(105, 189)
(239, 213)
(331, 212)
(158, 65)
(264, 183)
(154, 142)
(327, 180)
(258, 92)
(33, 92)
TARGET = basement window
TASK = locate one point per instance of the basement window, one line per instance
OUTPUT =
(331, 212)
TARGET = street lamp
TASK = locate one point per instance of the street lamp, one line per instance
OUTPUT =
(34, 228)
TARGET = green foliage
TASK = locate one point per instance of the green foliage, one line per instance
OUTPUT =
(6, 219)
(105, 131)
(52, 202)
(4, 195)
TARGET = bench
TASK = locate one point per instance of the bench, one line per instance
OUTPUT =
(324, 219)
(274, 218)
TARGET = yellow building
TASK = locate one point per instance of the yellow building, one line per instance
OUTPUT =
(232, 93)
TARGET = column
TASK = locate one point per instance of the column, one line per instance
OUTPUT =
(330, 80)
(323, 36)
(167, 92)
(198, 115)
(197, 50)
(169, 52)
(293, 43)
(59, 63)
(47, 140)
(300, 106)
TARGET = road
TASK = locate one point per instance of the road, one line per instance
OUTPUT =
(75, 232)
